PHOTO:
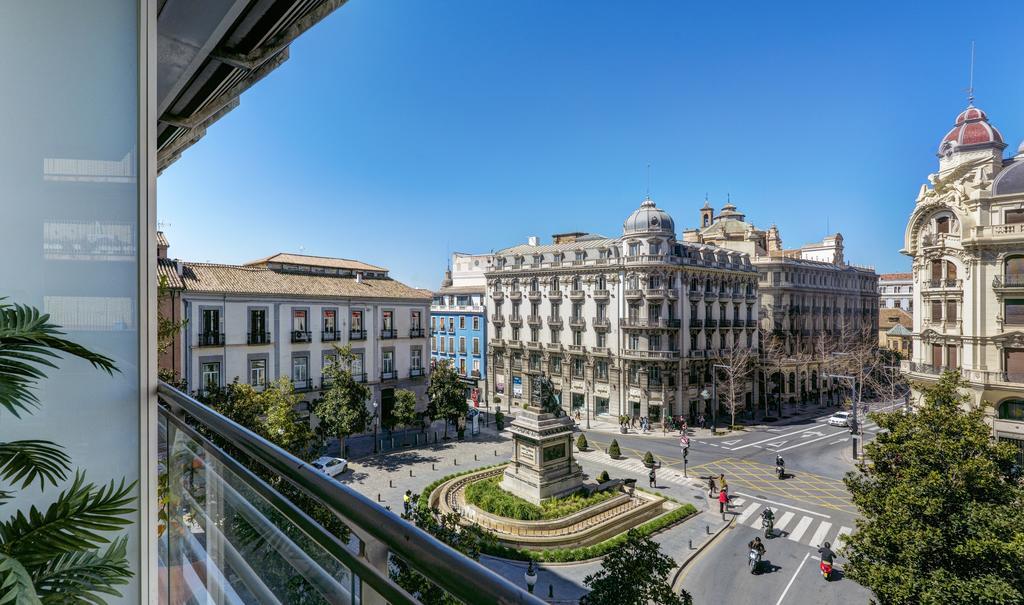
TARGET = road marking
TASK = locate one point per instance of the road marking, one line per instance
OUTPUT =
(783, 595)
(812, 440)
(784, 520)
(821, 533)
(746, 513)
(843, 531)
(731, 442)
(777, 444)
(843, 440)
(801, 527)
(810, 434)
(739, 447)
(803, 510)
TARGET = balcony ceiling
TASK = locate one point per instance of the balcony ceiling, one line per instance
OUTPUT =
(211, 51)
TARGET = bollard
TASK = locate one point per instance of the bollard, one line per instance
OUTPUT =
(691, 543)
(551, 591)
(474, 457)
(390, 484)
(410, 472)
(378, 497)
(455, 461)
(707, 529)
(495, 452)
(431, 467)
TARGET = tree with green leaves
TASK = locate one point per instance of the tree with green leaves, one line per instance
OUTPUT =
(281, 422)
(62, 553)
(446, 394)
(634, 573)
(342, 410)
(940, 505)
(404, 412)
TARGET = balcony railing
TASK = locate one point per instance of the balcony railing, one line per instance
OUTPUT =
(634, 293)
(210, 339)
(655, 292)
(416, 372)
(577, 322)
(303, 384)
(577, 295)
(602, 323)
(357, 334)
(645, 354)
(389, 375)
(696, 323)
(515, 321)
(534, 295)
(601, 294)
(258, 338)
(416, 333)
(1008, 281)
(388, 334)
(329, 335)
(534, 320)
(257, 546)
(497, 319)
(555, 321)
(302, 336)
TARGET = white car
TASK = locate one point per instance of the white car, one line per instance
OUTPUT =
(332, 467)
(839, 419)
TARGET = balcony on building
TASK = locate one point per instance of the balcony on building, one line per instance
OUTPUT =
(602, 294)
(555, 321)
(302, 336)
(258, 338)
(534, 295)
(498, 295)
(577, 322)
(696, 323)
(515, 295)
(302, 385)
(655, 293)
(359, 377)
(416, 333)
(357, 334)
(210, 339)
(577, 295)
(388, 334)
(555, 294)
(516, 321)
(475, 373)
(329, 335)
(258, 546)
(633, 293)
(602, 324)
(534, 320)
(497, 319)
(1008, 282)
(416, 372)
(533, 344)
(389, 375)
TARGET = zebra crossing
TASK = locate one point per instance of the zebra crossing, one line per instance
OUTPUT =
(665, 475)
(749, 514)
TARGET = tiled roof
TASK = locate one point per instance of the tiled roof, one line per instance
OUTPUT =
(161, 240)
(165, 269)
(887, 317)
(233, 279)
(895, 276)
(527, 249)
(463, 289)
(316, 261)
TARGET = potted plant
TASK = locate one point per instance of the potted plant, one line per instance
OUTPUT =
(623, 424)
(613, 449)
(603, 477)
(581, 442)
(499, 420)
(649, 460)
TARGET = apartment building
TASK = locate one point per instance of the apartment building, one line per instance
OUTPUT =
(896, 291)
(966, 238)
(811, 300)
(458, 323)
(627, 325)
(284, 316)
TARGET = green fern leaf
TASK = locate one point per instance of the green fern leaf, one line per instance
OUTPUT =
(84, 575)
(16, 586)
(28, 460)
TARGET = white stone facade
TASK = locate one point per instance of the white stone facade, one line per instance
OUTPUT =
(896, 291)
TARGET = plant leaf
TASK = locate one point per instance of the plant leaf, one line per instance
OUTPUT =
(16, 586)
(29, 460)
(84, 575)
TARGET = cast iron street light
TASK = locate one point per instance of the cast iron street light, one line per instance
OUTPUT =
(853, 396)
(531, 577)
(374, 421)
(705, 396)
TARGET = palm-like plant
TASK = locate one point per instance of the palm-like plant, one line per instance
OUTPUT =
(60, 554)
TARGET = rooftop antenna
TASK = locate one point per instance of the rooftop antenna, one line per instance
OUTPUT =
(648, 181)
(970, 82)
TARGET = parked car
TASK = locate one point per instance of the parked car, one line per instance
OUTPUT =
(839, 419)
(332, 467)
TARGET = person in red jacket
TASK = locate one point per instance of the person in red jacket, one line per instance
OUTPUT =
(723, 501)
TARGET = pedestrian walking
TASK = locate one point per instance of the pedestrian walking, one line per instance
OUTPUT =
(723, 501)
(712, 488)
(652, 479)
(722, 485)
(703, 422)
(407, 502)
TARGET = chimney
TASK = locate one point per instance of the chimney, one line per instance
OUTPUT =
(533, 240)
(179, 267)
(359, 277)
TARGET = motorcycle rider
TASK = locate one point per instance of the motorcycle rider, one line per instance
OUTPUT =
(757, 546)
(768, 515)
(779, 461)
(827, 556)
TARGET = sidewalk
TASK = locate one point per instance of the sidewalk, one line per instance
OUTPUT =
(792, 415)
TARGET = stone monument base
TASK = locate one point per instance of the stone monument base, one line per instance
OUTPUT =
(542, 465)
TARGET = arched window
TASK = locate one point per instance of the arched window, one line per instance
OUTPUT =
(576, 283)
(1012, 409)
(1014, 266)
(554, 284)
(942, 224)
(601, 283)
(792, 382)
(950, 270)
(534, 284)
(515, 285)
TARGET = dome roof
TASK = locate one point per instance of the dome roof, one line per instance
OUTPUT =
(648, 218)
(1010, 179)
(971, 130)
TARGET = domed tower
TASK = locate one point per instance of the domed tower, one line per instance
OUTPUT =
(649, 224)
(972, 137)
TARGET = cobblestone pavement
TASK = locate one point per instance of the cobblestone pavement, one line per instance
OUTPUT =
(386, 477)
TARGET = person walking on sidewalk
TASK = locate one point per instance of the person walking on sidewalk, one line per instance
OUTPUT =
(722, 485)
(652, 479)
(407, 502)
(712, 488)
(723, 501)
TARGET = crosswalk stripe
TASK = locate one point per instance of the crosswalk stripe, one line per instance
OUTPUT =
(746, 513)
(786, 518)
(843, 531)
(821, 533)
(737, 501)
(801, 527)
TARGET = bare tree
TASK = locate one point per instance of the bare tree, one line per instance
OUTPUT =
(735, 369)
(773, 351)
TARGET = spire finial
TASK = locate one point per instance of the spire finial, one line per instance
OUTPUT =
(648, 180)
(970, 82)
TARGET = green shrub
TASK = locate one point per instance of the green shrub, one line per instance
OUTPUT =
(581, 442)
(648, 459)
(490, 497)
(603, 477)
(613, 449)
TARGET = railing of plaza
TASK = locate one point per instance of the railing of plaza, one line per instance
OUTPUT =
(229, 537)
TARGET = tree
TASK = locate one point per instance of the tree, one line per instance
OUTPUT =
(282, 424)
(446, 394)
(62, 553)
(613, 449)
(773, 351)
(940, 507)
(581, 443)
(634, 573)
(404, 412)
(342, 409)
(739, 363)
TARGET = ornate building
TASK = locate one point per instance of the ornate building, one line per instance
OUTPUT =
(458, 322)
(812, 301)
(624, 326)
(966, 238)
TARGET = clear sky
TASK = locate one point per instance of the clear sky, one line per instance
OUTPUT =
(400, 131)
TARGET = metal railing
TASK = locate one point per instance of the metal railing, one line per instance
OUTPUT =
(1008, 281)
(210, 339)
(236, 535)
(258, 338)
(416, 333)
(388, 333)
(302, 336)
(357, 334)
(329, 335)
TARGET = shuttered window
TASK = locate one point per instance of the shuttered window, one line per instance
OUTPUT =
(1014, 311)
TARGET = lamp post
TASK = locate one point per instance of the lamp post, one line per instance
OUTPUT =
(374, 421)
(853, 396)
(705, 396)
(531, 577)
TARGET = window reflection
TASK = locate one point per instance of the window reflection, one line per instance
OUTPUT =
(88, 240)
(91, 313)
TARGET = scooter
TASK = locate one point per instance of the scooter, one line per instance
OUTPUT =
(754, 560)
(826, 570)
(769, 527)
(780, 471)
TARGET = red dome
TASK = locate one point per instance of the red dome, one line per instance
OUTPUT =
(971, 130)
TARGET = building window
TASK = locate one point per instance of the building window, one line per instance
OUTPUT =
(554, 284)
(451, 324)
(462, 322)
(601, 405)
(211, 375)
(451, 344)
(476, 367)
(330, 321)
(601, 370)
(534, 335)
(414, 319)
(634, 342)
(634, 374)
(951, 313)
(534, 362)
(258, 325)
(476, 346)
(300, 370)
(1013, 312)
(577, 367)
(634, 249)
(211, 323)
(937, 311)
(441, 340)
(937, 356)
(942, 224)
(476, 324)
(299, 320)
(1012, 409)
(357, 321)
(462, 345)
(462, 366)
(556, 336)
(387, 364)
(601, 284)
(415, 359)
(951, 357)
(1013, 217)
(357, 366)
(556, 365)
(602, 339)
(577, 337)
(258, 372)
(515, 333)
(388, 320)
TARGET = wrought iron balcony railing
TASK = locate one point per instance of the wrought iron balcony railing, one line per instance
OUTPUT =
(357, 334)
(302, 336)
(329, 335)
(258, 338)
(388, 334)
(230, 536)
(210, 339)
(416, 333)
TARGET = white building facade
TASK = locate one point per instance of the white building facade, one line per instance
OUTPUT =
(966, 238)
(625, 326)
(896, 291)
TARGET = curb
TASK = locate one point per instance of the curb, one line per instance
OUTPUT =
(693, 555)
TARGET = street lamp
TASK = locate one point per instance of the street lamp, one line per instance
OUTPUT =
(853, 396)
(705, 396)
(374, 421)
(531, 577)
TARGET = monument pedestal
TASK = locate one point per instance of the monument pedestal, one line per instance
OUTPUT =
(542, 465)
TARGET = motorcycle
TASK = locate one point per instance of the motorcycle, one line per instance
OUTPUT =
(754, 560)
(769, 527)
(826, 570)
(780, 471)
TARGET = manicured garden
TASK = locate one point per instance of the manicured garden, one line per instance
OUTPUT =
(488, 495)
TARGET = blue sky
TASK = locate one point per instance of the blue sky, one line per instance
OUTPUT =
(400, 131)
